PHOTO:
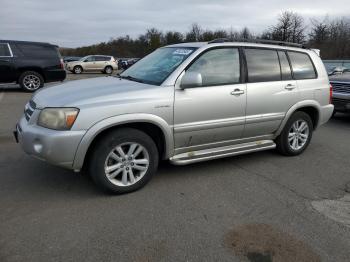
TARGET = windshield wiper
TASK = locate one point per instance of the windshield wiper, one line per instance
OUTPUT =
(130, 78)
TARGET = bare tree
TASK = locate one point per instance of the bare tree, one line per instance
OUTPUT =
(194, 35)
(289, 28)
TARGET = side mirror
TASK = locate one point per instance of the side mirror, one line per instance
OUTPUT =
(191, 79)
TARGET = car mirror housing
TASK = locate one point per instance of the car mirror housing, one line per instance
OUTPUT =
(191, 79)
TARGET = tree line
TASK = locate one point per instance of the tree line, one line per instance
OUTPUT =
(331, 36)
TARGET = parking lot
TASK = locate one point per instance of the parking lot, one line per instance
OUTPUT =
(244, 208)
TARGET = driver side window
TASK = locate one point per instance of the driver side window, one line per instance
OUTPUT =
(218, 67)
(90, 59)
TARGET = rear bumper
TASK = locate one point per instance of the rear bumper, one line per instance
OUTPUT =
(55, 147)
(326, 113)
(55, 75)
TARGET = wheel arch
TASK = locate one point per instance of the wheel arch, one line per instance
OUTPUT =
(36, 69)
(310, 107)
(157, 128)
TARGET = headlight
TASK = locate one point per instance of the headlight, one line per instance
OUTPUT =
(58, 118)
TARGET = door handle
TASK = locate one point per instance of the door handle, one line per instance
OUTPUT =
(290, 87)
(237, 92)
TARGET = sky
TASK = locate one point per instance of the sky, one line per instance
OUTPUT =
(73, 23)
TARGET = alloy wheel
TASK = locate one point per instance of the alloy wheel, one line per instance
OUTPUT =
(298, 135)
(31, 82)
(126, 164)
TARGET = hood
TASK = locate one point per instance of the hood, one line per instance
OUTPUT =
(345, 77)
(91, 91)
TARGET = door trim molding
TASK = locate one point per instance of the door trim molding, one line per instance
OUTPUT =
(209, 124)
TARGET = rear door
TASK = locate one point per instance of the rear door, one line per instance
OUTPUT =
(271, 91)
(7, 68)
(101, 62)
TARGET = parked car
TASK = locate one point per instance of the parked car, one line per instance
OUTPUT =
(123, 64)
(341, 92)
(30, 64)
(67, 59)
(185, 103)
(103, 63)
(126, 63)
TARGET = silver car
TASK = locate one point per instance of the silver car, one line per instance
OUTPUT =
(185, 103)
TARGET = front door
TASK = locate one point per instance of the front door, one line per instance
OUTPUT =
(89, 63)
(212, 114)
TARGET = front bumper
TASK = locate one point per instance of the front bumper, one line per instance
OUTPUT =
(55, 147)
(341, 102)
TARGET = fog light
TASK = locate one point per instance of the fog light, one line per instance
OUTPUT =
(38, 148)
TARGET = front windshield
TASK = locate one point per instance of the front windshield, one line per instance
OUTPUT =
(157, 66)
(83, 58)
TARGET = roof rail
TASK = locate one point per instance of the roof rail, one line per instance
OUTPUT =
(257, 41)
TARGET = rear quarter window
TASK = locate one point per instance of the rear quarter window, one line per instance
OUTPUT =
(39, 51)
(302, 66)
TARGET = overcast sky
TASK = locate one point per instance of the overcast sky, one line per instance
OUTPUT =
(73, 23)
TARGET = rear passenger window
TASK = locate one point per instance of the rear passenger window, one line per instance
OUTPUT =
(302, 66)
(4, 50)
(286, 72)
(263, 65)
(41, 51)
(218, 67)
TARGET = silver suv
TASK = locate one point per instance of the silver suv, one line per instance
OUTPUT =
(186, 103)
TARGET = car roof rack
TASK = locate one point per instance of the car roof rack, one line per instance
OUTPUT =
(257, 41)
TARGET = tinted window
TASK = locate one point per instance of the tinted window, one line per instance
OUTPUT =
(4, 50)
(102, 58)
(218, 66)
(263, 65)
(33, 50)
(302, 66)
(286, 72)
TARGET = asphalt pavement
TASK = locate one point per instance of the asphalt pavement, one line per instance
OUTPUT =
(256, 207)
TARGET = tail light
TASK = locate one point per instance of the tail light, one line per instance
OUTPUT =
(61, 63)
(330, 93)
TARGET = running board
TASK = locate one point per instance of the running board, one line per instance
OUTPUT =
(219, 152)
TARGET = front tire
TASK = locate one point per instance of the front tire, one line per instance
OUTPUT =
(77, 70)
(123, 161)
(30, 81)
(296, 135)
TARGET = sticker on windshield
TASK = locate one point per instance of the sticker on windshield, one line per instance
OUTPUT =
(182, 52)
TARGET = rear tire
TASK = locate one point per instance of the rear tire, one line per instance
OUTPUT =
(123, 161)
(296, 135)
(108, 70)
(30, 81)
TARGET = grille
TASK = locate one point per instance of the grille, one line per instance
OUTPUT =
(341, 87)
(29, 109)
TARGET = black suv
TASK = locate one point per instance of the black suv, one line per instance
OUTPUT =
(30, 64)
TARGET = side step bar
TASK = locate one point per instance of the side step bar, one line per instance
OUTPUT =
(220, 152)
